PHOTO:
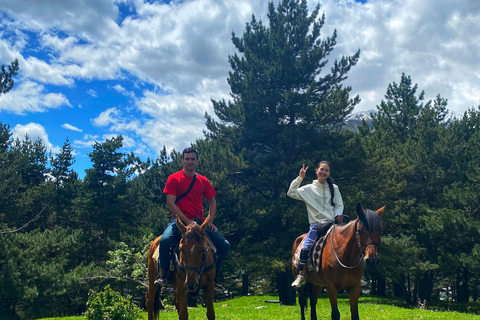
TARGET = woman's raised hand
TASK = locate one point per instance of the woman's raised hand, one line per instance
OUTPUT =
(303, 171)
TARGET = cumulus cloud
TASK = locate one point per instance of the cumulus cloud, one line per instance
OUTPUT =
(108, 117)
(123, 91)
(30, 96)
(87, 141)
(35, 132)
(167, 60)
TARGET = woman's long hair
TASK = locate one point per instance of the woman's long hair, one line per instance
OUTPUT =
(329, 181)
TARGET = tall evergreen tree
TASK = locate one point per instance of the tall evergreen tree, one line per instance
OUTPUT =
(281, 102)
(284, 108)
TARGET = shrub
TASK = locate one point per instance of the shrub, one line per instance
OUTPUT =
(110, 305)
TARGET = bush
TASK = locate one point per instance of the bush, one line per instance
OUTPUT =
(110, 305)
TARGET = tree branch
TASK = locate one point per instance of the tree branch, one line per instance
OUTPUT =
(26, 224)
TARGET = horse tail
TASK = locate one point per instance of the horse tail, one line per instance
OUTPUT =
(303, 296)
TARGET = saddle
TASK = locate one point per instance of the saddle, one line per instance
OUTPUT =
(314, 262)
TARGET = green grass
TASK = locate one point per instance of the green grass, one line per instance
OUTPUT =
(255, 308)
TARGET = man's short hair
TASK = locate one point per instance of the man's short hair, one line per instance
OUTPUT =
(189, 150)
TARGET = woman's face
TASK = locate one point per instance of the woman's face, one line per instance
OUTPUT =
(323, 172)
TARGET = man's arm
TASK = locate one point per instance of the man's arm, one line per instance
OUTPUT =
(175, 210)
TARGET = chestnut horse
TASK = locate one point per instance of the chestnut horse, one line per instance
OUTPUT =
(195, 270)
(346, 249)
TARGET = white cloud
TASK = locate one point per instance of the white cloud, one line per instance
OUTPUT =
(174, 57)
(87, 141)
(108, 117)
(92, 92)
(70, 127)
(35, 131)
(124, 91)
(30, 96)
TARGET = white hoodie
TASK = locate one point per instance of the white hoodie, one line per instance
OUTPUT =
(317, 198)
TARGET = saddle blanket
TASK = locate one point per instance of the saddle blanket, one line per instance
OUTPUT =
(314, 262)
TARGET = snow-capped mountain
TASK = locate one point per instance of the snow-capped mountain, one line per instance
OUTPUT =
(352, 121)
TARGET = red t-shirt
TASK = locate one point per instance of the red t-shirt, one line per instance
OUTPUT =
(192, 204)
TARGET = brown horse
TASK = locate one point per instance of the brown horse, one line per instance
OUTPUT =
(345, 251)
(195, 270)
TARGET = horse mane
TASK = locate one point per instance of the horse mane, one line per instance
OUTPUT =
(371, 220)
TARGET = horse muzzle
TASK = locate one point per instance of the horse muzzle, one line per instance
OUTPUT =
(191, 283)
(371, 256)
(372, 261)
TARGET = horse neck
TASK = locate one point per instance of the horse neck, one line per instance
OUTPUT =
(347, 236)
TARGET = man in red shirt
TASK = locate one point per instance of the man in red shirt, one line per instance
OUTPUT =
(185, 200)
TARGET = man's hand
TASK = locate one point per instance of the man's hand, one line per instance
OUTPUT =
(339, 219)
(212, 227)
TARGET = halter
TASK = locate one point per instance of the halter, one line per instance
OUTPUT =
(202, 268)
(362, 248)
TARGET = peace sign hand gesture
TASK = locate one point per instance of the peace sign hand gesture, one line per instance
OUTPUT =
(303, 171)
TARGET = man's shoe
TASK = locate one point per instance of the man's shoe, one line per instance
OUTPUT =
(219, 287)
(300, 281)
(161, 281)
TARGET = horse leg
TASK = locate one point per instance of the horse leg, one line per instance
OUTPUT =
(313, 301)
(302, 300)
(209, 294)
(332, 296)
(181, 301)
(150, 301)
(353, 295)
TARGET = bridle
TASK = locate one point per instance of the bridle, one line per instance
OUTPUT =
(362, 248)
(202, 268)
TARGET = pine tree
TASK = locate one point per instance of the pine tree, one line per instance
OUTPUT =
(281, 101)
(6, 77)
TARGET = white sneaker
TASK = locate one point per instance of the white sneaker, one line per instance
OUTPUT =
(300, 281)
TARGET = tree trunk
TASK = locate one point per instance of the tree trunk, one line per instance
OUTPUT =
(462, 285)
(286, 293)
(426, 285)
(381, 287)
(245, 284)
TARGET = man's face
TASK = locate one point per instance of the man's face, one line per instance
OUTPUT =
(189, 161)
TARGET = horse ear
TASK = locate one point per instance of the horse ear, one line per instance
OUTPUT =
(181, 226)
(380, 211)
(359, 210)
(204, 225)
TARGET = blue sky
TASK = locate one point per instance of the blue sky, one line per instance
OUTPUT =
(147, 70)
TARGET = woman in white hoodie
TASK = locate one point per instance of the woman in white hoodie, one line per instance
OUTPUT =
(324, 204)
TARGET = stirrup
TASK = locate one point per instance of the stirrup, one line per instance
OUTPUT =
(161, 281)
(218, 287)
(300, 281)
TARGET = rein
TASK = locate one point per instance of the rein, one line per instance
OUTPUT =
(362, 248)
(202, 268)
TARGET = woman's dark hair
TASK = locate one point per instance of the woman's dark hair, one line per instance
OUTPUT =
(329, 180)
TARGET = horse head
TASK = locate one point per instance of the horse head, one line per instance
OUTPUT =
(192, 252)
(368, 229)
